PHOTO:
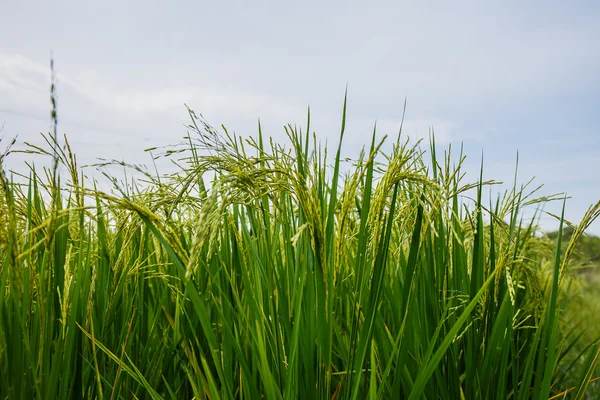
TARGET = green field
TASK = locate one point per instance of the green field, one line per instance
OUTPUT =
(264, 271)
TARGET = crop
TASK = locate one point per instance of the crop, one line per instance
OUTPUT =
(265, 271)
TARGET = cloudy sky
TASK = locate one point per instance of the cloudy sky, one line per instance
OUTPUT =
(496, 76)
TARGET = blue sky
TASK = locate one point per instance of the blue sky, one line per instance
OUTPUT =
(500, 77)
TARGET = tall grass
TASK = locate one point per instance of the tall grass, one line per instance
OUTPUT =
(288, 274)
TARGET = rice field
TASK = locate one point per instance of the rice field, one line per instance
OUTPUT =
(268, 271)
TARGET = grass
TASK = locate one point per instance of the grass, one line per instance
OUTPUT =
(260, 271)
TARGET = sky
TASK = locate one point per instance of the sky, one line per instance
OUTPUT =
(498, 77)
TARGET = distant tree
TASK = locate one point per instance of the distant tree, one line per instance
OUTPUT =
(587, 250)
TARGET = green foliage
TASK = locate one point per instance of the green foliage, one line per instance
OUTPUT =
(285, 277)
(586, 251)
(582, 313)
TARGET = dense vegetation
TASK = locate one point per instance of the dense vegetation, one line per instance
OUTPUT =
(259, 271)
(586, 251)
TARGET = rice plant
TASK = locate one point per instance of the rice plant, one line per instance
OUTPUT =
(263, 270)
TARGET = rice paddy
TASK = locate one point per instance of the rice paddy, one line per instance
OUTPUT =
(264, 271)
